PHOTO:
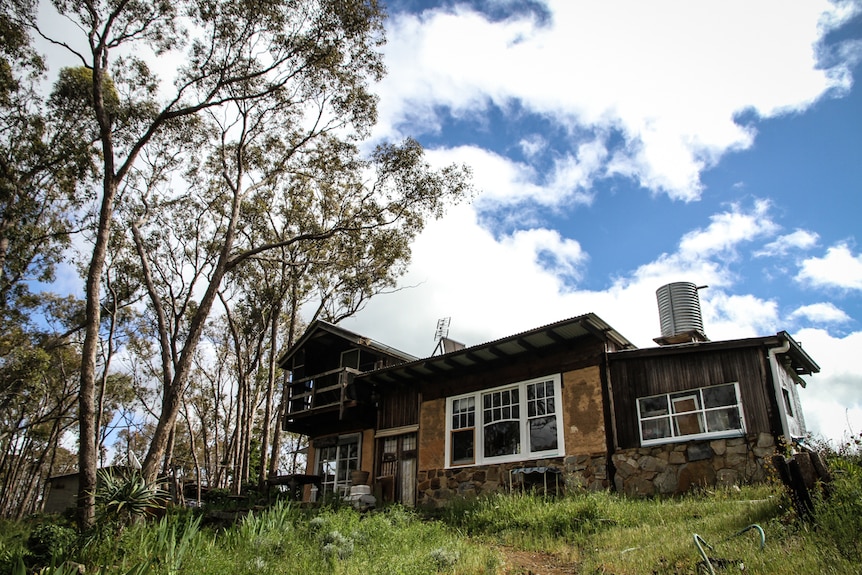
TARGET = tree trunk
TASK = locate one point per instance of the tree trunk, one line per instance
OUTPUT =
(270, 391)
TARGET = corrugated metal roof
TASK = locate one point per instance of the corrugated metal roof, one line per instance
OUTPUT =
(802, 362)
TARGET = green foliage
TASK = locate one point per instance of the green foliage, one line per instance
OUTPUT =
(49, 543)
(585, 533)
(123, 498)
(838, 509)
(13, 535)
(511, 516)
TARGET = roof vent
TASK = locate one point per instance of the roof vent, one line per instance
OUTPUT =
(679, 313)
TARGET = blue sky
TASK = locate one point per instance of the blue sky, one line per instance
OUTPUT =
(617, 146)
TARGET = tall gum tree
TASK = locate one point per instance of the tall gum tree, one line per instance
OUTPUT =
(231, 51)
(309, 62)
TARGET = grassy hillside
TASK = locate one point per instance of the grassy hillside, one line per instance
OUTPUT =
(508, 534)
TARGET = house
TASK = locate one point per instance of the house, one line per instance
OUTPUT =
(62, 493)
(572, 404)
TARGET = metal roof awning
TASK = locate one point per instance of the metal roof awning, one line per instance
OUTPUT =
(801, 362)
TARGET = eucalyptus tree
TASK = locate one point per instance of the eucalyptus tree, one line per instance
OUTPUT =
(299, 54)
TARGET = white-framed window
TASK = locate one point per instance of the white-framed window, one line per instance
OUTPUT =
(335, 460)
(507, 423)
(706, 412)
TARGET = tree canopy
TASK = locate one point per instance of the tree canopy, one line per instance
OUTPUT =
(233, 182)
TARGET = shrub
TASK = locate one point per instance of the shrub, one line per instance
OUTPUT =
(122, 499)
(839, 516)
(50, 543)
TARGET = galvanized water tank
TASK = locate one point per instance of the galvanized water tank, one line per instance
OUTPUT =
(679, 309)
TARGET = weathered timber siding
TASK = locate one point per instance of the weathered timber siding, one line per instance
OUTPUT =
(583, 414)
(398, 407)
(634, 376)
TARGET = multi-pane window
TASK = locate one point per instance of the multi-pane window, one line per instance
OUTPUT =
(541, 413)
(514, 422)
(335, 462)
(462, 430)
(713, 411)
(501, 423)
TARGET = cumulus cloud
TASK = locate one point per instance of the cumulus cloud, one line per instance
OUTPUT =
(797, 240)
(672, 93)
(823, 312)
(728, 229)
(831, 400)
(839, 268)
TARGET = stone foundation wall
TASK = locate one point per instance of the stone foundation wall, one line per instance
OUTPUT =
(678, 467)
(668, 469)
(436, 487)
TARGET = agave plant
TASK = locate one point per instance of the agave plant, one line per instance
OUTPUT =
(124, 498)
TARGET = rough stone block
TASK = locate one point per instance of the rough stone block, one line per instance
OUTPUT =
(699, 451)
(764, 452)
(625, 469)
(650, 463)
(736, 460)
(676, 457)
(765, 440)
(638, 486)
(697, 474)
(667, 481)
(719, 446)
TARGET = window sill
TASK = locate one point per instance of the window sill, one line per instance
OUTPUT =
(698, 437)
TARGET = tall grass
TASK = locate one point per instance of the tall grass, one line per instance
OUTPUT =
(584, 532)
(608, 533)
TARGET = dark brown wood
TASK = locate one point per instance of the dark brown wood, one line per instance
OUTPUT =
(642, 376)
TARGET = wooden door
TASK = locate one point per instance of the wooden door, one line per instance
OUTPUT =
(397, 476)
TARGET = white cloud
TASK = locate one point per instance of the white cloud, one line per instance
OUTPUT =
(839, 268)
(832, 401)
(823, 312)
(728, 229)
(672, 90)
(798, 240)
(502, 181)
(494, 287)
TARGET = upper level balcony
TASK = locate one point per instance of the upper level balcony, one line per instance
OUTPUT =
(332, 390)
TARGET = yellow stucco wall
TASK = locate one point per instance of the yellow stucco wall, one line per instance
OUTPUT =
(366, 458)
(432, 434)
(583, 417)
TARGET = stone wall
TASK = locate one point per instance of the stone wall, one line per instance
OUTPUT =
(667, 469)
(678, 467)
(437, 487)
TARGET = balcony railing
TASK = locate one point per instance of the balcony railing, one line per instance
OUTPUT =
(322, 391)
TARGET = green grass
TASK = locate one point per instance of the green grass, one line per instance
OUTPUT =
(587, 533)
(608, 533)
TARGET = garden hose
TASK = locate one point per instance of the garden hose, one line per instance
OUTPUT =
(698, 540)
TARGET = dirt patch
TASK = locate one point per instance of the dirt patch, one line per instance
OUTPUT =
(534, 563)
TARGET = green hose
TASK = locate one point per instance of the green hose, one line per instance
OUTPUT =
(698, 540)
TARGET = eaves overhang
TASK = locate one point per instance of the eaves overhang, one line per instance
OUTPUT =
(801, 362)
(536, 341)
